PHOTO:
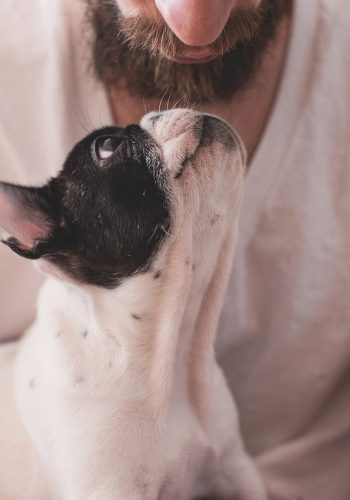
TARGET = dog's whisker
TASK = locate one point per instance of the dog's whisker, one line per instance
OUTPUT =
(177, 102)
(182, 119)
(192, 124)
(80, 121)
(153, 233)
(158, 226)
(162, 228)
(88, 117)
(161, 100)
(194, 107)
(144, 105)
(167, 105)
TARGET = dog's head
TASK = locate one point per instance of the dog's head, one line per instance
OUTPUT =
(118, 197)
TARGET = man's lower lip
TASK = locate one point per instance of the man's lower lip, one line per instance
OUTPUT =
(193, 60)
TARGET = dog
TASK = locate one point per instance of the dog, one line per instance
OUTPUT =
(114, 393)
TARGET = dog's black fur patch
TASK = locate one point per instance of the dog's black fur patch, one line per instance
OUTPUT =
(107, 217)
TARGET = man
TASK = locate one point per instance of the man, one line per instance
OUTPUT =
(279, 72)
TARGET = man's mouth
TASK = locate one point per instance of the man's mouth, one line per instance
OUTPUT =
(194, 56)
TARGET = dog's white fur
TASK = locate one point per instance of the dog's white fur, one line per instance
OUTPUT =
(116, 394)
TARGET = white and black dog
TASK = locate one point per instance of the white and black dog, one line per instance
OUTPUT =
(114, 393)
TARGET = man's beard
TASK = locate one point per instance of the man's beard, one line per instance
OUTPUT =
(130, 53)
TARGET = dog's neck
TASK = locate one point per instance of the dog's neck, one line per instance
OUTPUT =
(158, 328)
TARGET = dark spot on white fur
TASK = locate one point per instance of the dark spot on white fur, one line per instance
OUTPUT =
(157, 275)
(142, 485)
(79, 380)
(59, 333)
(165, 489)
(32, 383)
(136, 316)
(153, 119)
(187, 262)
(214, 219)
(85, 333)
(193, 267)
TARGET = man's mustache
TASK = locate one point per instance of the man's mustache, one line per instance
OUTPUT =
(155, 37)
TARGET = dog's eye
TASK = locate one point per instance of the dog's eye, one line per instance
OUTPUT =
(106, 146)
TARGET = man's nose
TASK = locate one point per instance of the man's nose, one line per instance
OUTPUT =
(196, 22)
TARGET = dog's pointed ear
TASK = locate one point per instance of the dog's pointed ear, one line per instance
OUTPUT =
(27, 218)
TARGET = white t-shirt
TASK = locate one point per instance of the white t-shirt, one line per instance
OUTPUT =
(284, 338)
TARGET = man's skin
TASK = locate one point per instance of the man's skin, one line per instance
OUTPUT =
(197, 23)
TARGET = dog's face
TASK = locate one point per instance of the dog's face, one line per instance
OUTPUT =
(113, 205)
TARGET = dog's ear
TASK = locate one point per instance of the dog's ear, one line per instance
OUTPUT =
(27, 218)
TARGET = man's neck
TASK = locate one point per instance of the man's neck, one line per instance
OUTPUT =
(247, 111)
